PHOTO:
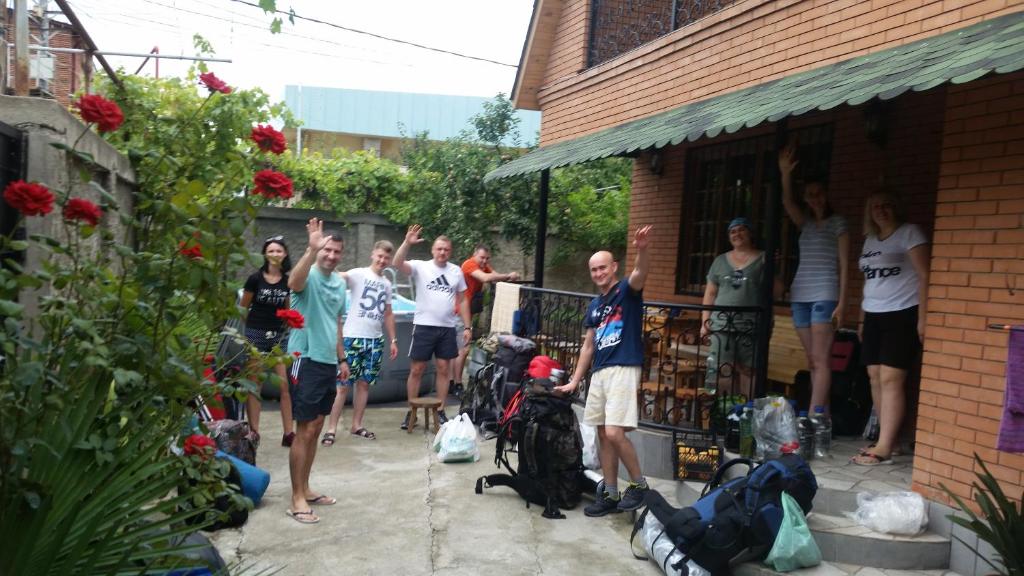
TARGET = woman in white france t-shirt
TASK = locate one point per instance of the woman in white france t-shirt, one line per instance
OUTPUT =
(894, 261)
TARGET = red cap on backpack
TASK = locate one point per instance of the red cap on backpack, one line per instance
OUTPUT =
(541, 366)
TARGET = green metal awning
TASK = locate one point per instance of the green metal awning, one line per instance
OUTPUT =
(959, 56)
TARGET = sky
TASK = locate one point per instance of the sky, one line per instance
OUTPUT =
(313, 54)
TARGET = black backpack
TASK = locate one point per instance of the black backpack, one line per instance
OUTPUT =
(735, 521)
(543, 430)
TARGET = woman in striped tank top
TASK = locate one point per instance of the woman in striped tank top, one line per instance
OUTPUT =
(818, 293)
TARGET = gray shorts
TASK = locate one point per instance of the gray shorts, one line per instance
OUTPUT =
(313, 388)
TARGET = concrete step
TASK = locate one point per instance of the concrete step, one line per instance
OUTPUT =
(833, 569)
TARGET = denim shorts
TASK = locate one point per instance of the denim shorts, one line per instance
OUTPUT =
(807, 313)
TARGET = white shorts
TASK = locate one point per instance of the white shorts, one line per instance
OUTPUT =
(611, 398)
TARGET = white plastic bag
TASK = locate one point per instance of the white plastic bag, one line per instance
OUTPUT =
(663, 552)
(591, 458)
(775, 430)
(459, 442)
(891, 512)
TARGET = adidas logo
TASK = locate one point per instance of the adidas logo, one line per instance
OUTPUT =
(439, 284)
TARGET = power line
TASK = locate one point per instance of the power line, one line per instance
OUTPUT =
(389, 39)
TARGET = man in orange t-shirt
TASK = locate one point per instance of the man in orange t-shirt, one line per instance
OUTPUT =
(477, 270)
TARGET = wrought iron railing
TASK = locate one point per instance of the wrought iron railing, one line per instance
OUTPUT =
(699, 360)
(618, 26)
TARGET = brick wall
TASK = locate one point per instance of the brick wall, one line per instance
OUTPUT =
(67, 68)
(748, 43)
(978, 249)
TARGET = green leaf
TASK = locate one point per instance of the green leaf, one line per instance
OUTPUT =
(275, 26)
(17, 245)
(9, 308)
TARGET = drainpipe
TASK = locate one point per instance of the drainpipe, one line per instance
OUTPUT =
(542, 228)
(21, 86)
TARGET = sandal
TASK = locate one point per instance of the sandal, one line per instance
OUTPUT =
(303, 516)
(328, 439)
(322, 500)
(871, 459)
(364, 433)
(867, 450)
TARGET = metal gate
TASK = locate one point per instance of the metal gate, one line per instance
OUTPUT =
(12, 167)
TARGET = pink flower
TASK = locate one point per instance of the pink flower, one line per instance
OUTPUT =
(82, 209)
(29, 198)
(214, 84)
(106, 114)
(268, 139)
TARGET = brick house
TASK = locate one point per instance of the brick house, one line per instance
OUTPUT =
(67, 75)
(923, 97)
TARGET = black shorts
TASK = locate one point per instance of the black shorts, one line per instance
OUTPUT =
(428, 341)
(313, 388)
(890, 338)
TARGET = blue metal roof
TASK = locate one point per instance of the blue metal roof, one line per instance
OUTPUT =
(388, 114)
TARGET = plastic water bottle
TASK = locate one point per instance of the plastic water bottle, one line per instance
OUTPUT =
(822, 432)
(732, 428)
(747, 431)
(806, 434)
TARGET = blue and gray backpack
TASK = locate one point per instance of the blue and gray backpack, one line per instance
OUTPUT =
(735, 521)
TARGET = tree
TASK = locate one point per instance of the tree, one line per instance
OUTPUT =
(95, 387)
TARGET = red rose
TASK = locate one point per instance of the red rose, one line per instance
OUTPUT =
(268, 139)
(272, 184)
(293, 318)
(96, 109)
(194, 252)
(214, 84)
(200, 445)
(82, 209)
(30, 198)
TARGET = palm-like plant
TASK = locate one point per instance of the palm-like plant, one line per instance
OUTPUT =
(1000, 524)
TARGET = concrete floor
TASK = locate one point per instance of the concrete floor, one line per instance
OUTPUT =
(401, 511)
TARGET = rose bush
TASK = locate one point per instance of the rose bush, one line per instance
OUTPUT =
(100, 373)
(272, 184)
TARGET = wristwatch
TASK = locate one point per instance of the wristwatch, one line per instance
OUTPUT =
(394, 340)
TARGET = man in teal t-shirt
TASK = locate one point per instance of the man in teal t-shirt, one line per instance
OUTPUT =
(318, 293)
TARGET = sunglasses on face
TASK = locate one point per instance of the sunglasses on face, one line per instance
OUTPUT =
(277, 238)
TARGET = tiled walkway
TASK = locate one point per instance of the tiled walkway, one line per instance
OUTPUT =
(838, 473)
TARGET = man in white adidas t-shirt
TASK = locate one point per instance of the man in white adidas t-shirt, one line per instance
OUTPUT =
(369, 312)
(440, 288)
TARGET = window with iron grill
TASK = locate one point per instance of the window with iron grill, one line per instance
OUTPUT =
(733, 179)
(618, 26)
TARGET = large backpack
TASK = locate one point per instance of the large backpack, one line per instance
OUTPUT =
(542, 429)
(735, 521)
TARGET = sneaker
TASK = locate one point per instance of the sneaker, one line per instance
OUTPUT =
(405, 423)
(441, 417)
(602, 506)
(633, 497)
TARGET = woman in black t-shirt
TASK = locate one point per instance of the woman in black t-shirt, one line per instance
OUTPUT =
(266, 292)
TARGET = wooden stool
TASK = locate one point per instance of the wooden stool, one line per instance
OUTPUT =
(429, 405)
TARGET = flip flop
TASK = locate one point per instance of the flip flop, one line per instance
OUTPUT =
(322, 500)
(870, 459)
(303, 516)
(328, 439)
(364, 433)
